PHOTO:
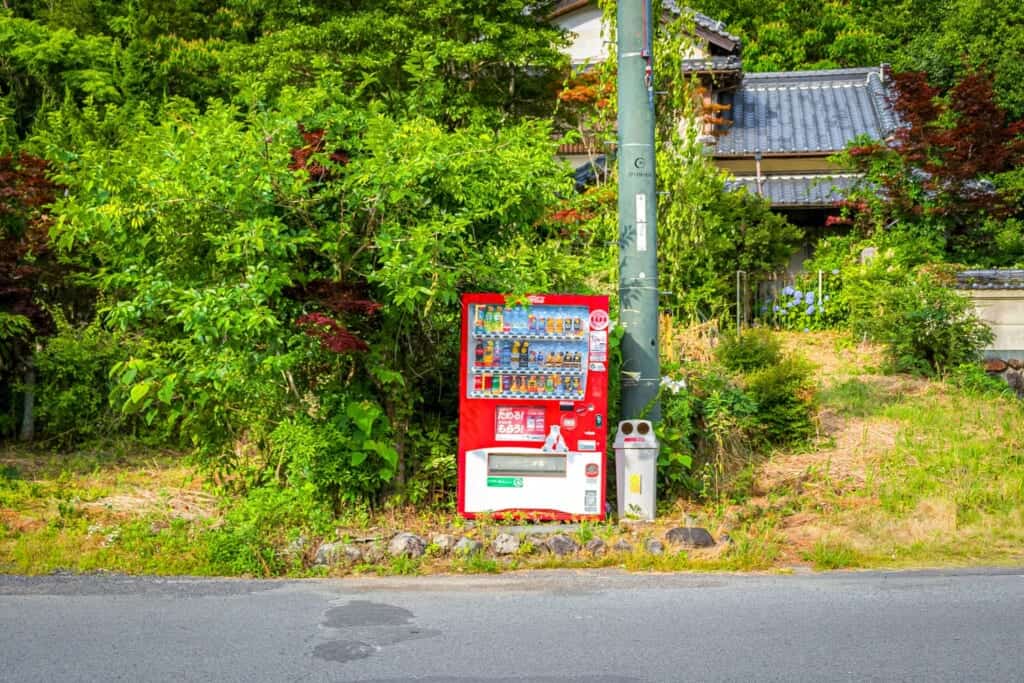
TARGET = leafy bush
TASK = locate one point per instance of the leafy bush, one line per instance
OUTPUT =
(346, 458)
(706, 431)
(785, 396)
(260, 525)
(72, 395)
(972, 378)
(927, 327)
(675, 432)
(751, 350)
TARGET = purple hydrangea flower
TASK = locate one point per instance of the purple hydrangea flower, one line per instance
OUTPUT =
(810, 310)
(809, 297)
(787, 290)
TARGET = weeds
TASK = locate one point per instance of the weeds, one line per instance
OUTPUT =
(832, 554)
(476, 563)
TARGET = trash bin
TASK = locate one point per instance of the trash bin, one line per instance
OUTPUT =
(636, 469)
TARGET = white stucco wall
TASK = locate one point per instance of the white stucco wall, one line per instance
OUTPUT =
(1003, 310)
(587, 39)
(588, 44)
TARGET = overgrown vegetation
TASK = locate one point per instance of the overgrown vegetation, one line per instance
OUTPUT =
(244, 241)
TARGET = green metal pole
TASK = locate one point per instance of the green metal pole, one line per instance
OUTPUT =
(638, 236)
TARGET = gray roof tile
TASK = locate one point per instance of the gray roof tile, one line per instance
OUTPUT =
(809, 190)
(797, 112)
(715, 63)
(990, 279)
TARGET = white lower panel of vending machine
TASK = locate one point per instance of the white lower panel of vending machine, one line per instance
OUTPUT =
(558, 482)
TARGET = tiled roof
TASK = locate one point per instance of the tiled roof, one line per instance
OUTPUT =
(713, 64)
(990, 279)
(804, 191)
(798, 112)
(701, 20)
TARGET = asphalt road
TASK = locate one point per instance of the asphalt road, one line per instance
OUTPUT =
(547, 627)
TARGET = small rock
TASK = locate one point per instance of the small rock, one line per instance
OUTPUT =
(505, 544)
(296, 547)
(726, 539)
(352, 553)
(562, 545)
(622, 546)
(406, 544)
(539, 543)
(373, 553)
(690, 537)
(327, 554)
(1015, 379)
(995, 365)
(596, 546)
(654, 546)
(443, 542)
(467, 546)
(1015, 363)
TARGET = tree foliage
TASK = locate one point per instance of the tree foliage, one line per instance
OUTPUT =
(951, 174)
(946, 40)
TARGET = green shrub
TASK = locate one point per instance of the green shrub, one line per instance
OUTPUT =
(707, 430)
(260, 525)
(927, 327)
(348, 457)
(972, 378)
(675, 432)
(73, 370)
(784, 395)
(751, 350)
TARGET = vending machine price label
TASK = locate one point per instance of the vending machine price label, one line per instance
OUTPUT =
(515, 423)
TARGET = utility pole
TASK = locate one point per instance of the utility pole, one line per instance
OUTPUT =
(638, 211)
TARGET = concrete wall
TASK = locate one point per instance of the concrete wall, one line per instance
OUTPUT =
(1003, 310)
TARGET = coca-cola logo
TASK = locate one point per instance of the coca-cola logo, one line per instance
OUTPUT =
(592, 470)
(599, 320)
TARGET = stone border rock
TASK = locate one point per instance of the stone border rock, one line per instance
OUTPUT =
(1010, 370)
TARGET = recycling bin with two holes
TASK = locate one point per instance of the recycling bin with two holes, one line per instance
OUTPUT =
(636, 469)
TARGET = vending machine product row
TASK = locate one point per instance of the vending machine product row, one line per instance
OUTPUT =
(533, 406)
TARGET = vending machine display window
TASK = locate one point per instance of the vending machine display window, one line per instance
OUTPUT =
(522, 352)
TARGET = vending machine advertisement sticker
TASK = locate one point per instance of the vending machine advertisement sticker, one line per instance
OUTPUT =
(515, 423)
(599, 320)
(599, 346)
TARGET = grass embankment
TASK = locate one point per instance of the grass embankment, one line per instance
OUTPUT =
(905, 473)
(102, 510)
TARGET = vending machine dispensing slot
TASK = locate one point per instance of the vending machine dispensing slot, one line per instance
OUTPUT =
(525, 463)
(532, 402)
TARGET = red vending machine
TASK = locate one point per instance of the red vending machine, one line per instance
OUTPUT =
(533, 406)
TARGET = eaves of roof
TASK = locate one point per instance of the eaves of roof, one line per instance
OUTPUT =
(812, 190)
